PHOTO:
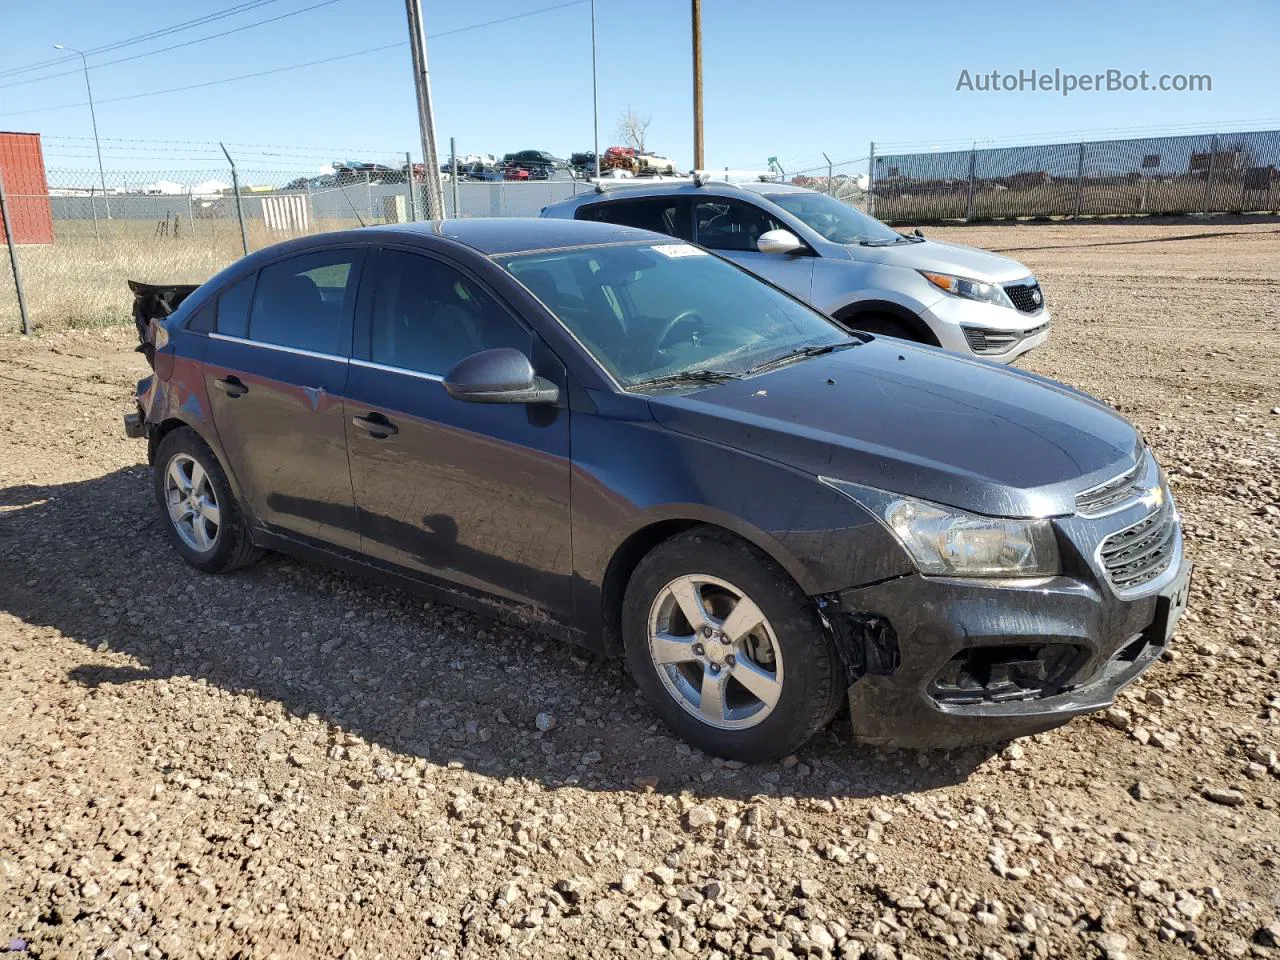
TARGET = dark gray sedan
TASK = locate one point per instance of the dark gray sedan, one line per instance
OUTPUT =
(633, 444)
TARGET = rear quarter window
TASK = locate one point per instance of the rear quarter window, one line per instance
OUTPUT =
(233, 308)
(203, 320)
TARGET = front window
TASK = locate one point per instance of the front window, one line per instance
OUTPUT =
(838, 222)
(666, 309)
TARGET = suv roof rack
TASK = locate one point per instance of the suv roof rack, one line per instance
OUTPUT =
(604, 184)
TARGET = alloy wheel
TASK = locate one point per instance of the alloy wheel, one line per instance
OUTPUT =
(715, 652)
(192, 502)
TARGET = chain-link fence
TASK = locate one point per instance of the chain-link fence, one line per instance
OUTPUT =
(1208, 173)
(78, 243)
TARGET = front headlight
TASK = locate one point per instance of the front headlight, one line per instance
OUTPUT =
(969, 289)
(944, 541)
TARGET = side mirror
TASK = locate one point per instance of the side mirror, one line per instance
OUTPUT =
(501, 375)
(779, 242)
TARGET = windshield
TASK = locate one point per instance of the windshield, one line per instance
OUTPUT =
(838, 222)
(661, 310)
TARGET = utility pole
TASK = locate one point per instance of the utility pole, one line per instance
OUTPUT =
(93, 119)
(426, 120)
(698, 160)
(595, 94)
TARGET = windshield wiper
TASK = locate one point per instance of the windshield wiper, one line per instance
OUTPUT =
(883, 243)
(688, 376)
(802, 354)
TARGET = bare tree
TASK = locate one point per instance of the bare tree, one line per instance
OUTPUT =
(632, 128)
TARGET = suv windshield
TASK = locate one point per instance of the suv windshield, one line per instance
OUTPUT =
(669, 310)
(838, 222)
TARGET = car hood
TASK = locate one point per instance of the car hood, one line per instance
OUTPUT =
(949, 258)
(921, 422)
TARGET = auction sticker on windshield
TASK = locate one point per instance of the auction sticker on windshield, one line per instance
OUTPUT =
(677, 250)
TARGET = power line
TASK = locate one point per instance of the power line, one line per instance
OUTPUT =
(295, 66)
(176, 46)
(154, 34)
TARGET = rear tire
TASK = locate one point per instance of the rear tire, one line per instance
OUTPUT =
(885, 326)
(198, 510)
(751, 686)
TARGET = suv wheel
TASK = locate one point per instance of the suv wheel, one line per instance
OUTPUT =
(727, 648)
(199, 512)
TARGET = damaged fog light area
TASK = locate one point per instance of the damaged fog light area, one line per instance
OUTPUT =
(1001, 673)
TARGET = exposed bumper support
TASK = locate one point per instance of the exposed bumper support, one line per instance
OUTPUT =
(983, 661)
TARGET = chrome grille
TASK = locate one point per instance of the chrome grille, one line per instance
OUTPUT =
(1140, 553)
(1026, 297)
(1098, 500)
(984, 340)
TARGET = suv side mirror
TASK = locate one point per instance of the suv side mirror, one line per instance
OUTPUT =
(501, 375)
(779, 242)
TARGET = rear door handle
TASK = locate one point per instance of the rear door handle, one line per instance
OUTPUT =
(231, 386)
(377, 426)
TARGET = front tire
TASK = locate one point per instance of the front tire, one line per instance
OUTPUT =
(728, 649)
(197, 508)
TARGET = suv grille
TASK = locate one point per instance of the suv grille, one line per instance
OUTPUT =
(1098, 500)
(1140, 553)
(984, 340)
(1026, 297)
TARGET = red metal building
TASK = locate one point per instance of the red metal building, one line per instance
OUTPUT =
(25, 187)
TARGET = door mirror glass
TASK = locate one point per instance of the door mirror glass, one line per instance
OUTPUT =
(779, 241)
(501, 375)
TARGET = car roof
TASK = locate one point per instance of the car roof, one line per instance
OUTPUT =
(631, 190)
(502, 235)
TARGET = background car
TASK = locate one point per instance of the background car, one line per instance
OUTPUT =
(539, 164)
(847, 264)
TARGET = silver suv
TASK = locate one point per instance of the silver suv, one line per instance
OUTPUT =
(847, 264)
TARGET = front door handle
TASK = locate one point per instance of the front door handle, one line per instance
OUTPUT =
(377, 426)
(231, 386)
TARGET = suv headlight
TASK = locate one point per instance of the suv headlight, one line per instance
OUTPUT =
(944, 541)
(969, 289)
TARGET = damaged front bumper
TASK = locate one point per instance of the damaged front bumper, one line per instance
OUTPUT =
(954, 662)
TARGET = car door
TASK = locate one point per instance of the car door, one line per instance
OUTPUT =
(731, 227)
(275, 370)
(668, 215)
(470, 493)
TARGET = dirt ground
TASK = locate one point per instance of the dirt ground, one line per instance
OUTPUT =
(288, 762)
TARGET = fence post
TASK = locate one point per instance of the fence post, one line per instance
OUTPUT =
(1208, 180)
(831, 183)
(408, 179)
(12, 242)
(93, 207)
(973, 162)
(235, 185)
(453, 166)
(871, 181)
(1079, 181)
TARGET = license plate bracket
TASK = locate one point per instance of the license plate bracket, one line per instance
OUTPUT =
(1171, 604)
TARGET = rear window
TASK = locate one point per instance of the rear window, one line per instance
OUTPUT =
(660, 215)
(233, 308)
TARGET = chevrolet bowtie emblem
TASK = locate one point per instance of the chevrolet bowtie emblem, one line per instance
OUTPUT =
(1154, 497)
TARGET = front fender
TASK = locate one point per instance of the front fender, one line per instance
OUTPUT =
(630, 476)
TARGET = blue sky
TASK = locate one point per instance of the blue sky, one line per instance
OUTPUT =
(785, 78)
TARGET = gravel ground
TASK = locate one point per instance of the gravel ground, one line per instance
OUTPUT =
(289, 762)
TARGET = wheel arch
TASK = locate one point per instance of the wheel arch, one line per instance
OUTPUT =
(641, 541)
(158, 431)
(894, 311)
